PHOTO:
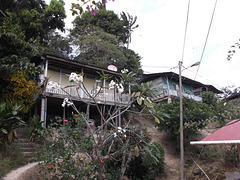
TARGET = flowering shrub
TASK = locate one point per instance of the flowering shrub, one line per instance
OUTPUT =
(21, 91)
(114, 143)
(62, 156)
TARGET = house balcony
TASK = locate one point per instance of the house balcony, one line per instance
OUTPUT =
(77, 94)
(174, 93)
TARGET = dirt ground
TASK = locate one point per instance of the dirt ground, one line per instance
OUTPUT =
(172, 159)
(27, 172)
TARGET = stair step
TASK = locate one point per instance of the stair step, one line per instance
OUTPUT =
(27, 145)
(20, 140)
(29, 153)
(27, 149)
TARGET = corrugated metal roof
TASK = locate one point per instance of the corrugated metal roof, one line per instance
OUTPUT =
(229, 134)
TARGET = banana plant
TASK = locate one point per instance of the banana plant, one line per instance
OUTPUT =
(10, 120)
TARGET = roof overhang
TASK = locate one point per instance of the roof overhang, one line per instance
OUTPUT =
(175, 76)
(215, 142)
(229, 134)
(75, 65)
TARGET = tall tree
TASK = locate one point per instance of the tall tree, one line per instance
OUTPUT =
(106, 20)
(23, 34)
(100, 49)
(101, 40)
(129, 22)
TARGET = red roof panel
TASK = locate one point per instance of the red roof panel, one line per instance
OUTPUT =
(231, 131)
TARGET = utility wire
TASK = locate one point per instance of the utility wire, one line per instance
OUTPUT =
(185, 34)
(203, 76)
(206, 38)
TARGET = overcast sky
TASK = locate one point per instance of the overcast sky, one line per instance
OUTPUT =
(160, 36)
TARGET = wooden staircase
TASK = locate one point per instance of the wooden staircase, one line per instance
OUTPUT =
(26, 147)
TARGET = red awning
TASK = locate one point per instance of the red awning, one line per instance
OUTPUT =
(229, 134)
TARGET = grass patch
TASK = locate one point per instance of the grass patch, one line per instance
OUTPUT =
(10, 158)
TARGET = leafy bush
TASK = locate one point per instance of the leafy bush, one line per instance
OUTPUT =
(62, 155)
(209, 98)
(148, 164)
(69, 150)
(36, 129)
(195, 116)
(224, 111)
(9, 121)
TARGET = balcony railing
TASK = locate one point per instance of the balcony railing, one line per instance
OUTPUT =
(101, 97)
(166, 93)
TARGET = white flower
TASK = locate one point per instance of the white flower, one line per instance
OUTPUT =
(74, 77)
(53, 85)
(112, 84)
(120, 88)
(124, 71)
(115, 134)
(66, 102)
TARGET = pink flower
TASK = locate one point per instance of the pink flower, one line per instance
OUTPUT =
(105, 1)
(101, 161)
(50, 166)
(93, 12)
(65, 120)
(77, 6)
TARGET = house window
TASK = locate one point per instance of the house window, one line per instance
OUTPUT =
(175, 86)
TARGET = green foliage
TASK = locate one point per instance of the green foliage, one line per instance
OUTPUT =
(195, 116)
(13, 63)
(54, 15)
(209, 98)
(9, 121)
(57, 45)
(37, 19)
(64, 155)
(133, 62)
(12, 38)
(69, 152)
(145, 162)
(100, 40)
(100, 49)
(129, 22)
(148, 164)
(223, 111)
(106, 20)
(35, 129)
